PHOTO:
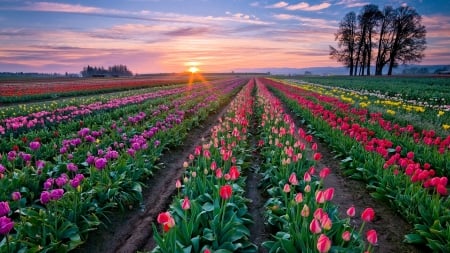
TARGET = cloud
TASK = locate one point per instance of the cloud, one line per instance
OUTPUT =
(306, 7)
(189, 31)
(254, 4)
(281, 4)
(352, 3)
(311, 22)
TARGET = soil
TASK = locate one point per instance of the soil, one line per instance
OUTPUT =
(132, 231)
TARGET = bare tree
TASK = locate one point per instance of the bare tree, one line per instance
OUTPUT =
(368, 20)
(409, 38)
(385, 39)
(346, 37)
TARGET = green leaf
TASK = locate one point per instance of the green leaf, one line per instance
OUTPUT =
(414, 239)
(208, 207)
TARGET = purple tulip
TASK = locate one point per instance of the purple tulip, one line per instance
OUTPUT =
(72, 167)
(90, 159)
(16, 196)
(12, 155)
(156, 143)
(62, 180)
(2, 168)
(56, 194)
(100, 163)
(5, 225)
(131, 152)
(4, 208)
(40, 164)
(35, 145)
(26, 157)
(45, 197)
(48, 183)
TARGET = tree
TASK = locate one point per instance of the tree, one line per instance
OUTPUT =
(409, 38)
(346, 36)
(385, 39)
(368, 20)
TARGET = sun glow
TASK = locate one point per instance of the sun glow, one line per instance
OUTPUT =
(193, 69)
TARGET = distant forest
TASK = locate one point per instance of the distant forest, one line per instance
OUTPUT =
(116, 70)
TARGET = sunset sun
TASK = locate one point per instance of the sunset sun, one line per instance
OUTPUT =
(193, 69)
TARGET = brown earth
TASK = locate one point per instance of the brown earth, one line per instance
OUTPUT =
(132, 231)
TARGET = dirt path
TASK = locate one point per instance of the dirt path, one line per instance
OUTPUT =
(132, 231)
(258, 232)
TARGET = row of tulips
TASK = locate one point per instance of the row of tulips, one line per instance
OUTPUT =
(56, 116)
(53, 204)
(429, 213)
(50, 89)
(380, 141)
(436, 114)
(117, 114)
(409, 131)
(209, 213)
(32, 106)
(301, 211)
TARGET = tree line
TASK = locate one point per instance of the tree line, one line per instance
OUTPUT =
(389, 36)
(116, 70)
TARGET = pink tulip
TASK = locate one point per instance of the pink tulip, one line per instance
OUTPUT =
(314, 226)
(299, 197)
(329, 194)
(293, 179)
(323, 244)
(351, 211)
(346, 236)
(286, 188)
(186, 204)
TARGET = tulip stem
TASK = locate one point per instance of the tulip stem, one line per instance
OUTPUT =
(7, 243)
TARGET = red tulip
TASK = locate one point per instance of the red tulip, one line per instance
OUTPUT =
(225, 191)
(368, 214)
(317, 156)
(234, 173)
(324, 172)
(166, 220)
(323, 244)
(371, 236)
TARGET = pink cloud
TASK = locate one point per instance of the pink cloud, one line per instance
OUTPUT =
(307, 7)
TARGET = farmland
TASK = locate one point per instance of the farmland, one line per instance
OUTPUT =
(232, 164)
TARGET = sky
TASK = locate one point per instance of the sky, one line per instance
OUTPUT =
(167, 36)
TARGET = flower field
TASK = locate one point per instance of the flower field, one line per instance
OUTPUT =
(16, 91)
(67, 165)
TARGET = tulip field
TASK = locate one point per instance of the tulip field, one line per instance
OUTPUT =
(69, 166)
